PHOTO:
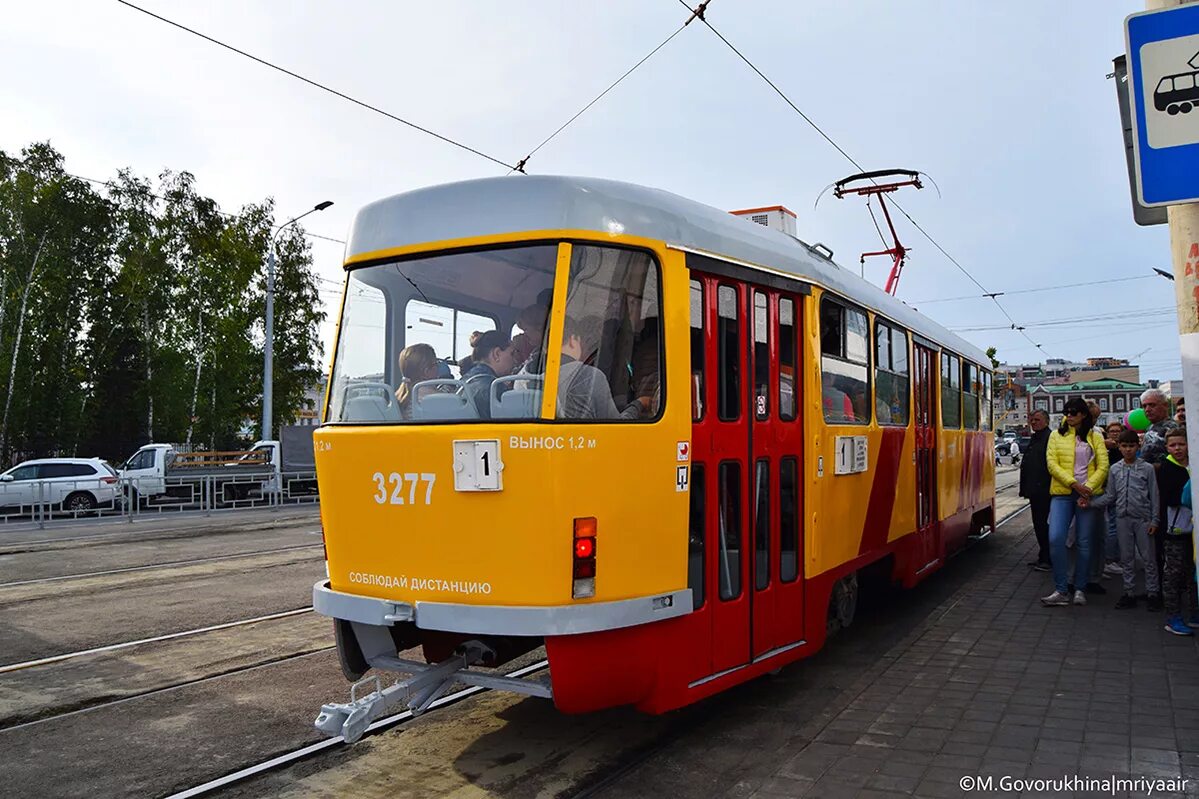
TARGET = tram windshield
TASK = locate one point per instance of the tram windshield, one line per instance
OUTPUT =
(465, 337)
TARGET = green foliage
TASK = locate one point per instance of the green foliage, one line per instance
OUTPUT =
(134, 314)
(991, 354)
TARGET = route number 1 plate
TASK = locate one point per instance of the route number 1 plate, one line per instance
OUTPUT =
(477, 465)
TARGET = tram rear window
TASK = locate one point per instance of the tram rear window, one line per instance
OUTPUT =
(465, 337)
(425, 339)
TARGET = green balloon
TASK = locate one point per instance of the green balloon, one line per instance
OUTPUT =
(1138, 421)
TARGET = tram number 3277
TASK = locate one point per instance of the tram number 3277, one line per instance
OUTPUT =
(396, 482)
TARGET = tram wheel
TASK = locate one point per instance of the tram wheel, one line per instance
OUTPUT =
(1185, 107)
(1172, 110)
(349, 654)
(843, 603)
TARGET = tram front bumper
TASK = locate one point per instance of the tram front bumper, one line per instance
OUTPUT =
(502, 619)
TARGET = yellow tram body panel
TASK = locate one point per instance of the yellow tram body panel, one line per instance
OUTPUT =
(514, 546)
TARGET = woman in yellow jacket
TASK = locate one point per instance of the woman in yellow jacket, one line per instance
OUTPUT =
(1077, 461)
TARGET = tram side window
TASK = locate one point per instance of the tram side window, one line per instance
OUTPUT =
(695, 537)
(761, 358)
(729, 356)
(951, 391)
(970, 392)
(890, 375)
(761, 524)
(697, 350)
(729, 566)
(787, 351)
(985, 419)
(788, 520)
(612, 346)
(844, 362)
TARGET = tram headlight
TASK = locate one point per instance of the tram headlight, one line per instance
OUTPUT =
(583, 558)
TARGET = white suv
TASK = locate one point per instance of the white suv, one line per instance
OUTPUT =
(74, 485)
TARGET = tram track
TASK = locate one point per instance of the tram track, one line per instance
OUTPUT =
(101, 703)
(140, 535)
(304, 752)
(28, 664)
(150, 566)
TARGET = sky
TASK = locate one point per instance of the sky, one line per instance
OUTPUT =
(1005, 105)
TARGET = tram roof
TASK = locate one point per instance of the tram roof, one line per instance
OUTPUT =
(520, 203)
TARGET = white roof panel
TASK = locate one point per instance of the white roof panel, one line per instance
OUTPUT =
(521, 203)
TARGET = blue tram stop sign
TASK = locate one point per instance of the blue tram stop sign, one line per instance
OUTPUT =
(1163, 65)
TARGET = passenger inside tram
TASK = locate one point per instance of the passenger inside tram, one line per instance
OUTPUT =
(837, 405)
(643, 369)
(417, 364)
(534, 321)
(491, 358)
(522, 348)
(583, 390)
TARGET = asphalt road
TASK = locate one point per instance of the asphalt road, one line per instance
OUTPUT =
(158, 717)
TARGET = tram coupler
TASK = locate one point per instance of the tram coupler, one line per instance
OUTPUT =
(426, 684)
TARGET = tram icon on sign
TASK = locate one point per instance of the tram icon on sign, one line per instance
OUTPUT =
(1179, 93)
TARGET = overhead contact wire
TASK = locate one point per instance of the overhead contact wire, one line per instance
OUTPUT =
(319, 85)
(695, 13)
(698, 12)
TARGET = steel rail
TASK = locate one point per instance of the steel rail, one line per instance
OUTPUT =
(127, 531)
(164, 565)
(329, 743)
(165, 689)
(28, 664)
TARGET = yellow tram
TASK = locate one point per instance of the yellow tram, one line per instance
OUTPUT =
(682, 437)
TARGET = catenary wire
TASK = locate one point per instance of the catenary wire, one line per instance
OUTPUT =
(520, 165)
(1036, 290)
(860, 168)
(319, 85)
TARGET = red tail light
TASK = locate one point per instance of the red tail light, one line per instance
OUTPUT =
(108, 480)
(583, 561)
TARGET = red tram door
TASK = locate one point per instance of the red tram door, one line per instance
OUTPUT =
(776, 445)
(747, 453)
(925, 374)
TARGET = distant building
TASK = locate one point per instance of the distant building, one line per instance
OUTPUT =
(1115, 397)
(1058, 371)
(1171, 388)
(1009, 404)
(309, 412)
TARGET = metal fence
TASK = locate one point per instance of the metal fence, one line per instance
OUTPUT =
(67, 499)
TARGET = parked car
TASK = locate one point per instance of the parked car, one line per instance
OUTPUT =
(74, 485)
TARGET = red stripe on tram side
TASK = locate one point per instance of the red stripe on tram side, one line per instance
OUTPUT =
(882, 492)
(974, 468)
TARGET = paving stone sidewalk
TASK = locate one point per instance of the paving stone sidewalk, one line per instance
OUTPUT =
(995, 685)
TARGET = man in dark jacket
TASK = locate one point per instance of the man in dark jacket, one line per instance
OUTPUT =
(1034, 485)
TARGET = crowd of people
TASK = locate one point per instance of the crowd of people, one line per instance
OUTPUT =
(1112, 502)
(584, 390)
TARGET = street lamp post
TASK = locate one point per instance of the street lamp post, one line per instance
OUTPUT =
(268, 349)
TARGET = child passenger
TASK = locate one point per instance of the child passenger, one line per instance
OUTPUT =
(1132, 485)
(1176, 526)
